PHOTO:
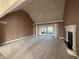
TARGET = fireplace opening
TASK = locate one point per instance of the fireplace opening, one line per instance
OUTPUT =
(70, 40)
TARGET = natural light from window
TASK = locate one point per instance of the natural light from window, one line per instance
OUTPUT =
(47, 29)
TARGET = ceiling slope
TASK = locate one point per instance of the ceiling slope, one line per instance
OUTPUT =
(8, 5)
(44, 10)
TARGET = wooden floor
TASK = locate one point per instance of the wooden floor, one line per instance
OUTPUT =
(40, 47)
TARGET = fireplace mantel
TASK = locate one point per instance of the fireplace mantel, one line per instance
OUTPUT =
(71, 28)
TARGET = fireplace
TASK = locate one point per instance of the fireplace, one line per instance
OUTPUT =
(70, 40)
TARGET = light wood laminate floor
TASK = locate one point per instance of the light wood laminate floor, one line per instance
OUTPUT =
(40, 47)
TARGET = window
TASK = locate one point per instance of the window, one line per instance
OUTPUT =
(47, 29)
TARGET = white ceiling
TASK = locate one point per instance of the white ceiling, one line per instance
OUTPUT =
(7, 6)
(44, 10)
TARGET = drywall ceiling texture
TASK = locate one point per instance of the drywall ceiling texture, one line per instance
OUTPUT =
(7, 6)
(44, 10)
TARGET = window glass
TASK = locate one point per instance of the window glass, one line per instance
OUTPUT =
(46, 29)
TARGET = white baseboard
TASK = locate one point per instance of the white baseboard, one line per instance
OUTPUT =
(61, 38)
(16, 39)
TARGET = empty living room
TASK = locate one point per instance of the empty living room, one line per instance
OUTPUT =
(39, 29)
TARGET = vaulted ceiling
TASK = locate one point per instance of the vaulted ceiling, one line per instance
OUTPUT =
(44, 10)
(40, 10)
